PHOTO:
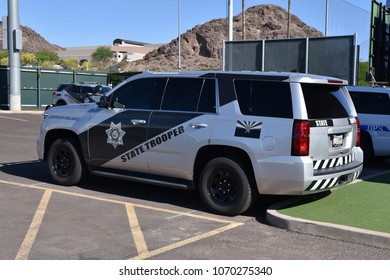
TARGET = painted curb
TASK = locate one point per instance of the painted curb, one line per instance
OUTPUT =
(341, 232)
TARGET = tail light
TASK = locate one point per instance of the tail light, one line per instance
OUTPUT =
(300, 138)
(358, 132)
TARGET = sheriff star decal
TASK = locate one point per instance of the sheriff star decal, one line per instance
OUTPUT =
(115, 134)
(248, 129)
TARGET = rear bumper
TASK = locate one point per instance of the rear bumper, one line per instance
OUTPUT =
(299, 176)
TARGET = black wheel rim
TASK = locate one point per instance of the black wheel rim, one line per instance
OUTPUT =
(62, 163)
(223, 187)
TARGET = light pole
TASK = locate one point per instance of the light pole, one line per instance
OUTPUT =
(288, 19)
(243, 20)
(326, 17)
(230, 16)
(14, 47)
(179, 37)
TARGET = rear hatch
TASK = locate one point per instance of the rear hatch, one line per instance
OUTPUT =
(333, 123)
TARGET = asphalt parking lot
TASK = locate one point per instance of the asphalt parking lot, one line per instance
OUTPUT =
(113, 219)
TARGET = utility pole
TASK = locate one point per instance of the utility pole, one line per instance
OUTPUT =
(288, 19)
(14, 47)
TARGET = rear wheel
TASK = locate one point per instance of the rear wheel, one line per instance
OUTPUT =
(65, 164)
(225, 187)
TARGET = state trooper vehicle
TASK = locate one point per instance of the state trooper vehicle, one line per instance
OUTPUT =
(373, 107)
(231, 135)
(74, 93)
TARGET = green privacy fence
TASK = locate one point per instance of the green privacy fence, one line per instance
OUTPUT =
(37, 85)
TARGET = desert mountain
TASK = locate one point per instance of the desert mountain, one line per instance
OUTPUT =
(201, 47)
(32, 41)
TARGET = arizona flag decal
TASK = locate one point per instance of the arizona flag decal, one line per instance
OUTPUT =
(248, 129)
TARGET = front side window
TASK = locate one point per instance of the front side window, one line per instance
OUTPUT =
(264, 98)
(139, 94)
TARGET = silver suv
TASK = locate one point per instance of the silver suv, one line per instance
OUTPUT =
(74, 93)
(231, 135)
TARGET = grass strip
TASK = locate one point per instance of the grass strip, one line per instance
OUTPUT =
(364, 205)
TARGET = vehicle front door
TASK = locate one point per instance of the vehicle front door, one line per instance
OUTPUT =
(117, 134)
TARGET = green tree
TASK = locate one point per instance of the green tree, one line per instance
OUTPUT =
(363, 69)
(71, 63)
(3, 57)
(102, 54)
(45, 55)
(27, 58)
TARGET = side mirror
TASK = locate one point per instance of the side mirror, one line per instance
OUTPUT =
(103, 102)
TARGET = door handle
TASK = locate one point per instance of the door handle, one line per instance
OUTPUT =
(137, 122)
(198, 125)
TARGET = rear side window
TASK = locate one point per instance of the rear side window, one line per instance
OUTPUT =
(371, 102)
(324, 101)
(86, 90)
(264, 98)
(61, 87)
(189, 94)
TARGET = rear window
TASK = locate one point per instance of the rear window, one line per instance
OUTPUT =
(264, 98)
(325, 101)
(371, 102)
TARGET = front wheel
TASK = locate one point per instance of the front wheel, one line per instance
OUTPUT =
(225, 187)
(64, 162)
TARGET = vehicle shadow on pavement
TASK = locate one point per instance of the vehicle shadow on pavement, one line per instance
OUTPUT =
(37, 171)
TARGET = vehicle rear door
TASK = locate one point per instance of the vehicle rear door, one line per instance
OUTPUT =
(181, 127)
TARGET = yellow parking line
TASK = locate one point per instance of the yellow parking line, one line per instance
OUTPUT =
(34, 227)
(187, 214)
(185, 242)
(138, 236)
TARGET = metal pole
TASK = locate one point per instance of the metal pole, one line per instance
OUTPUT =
(288, 19)
(230, 37)
(179, 40)
(14, 47)
(326, 17)
(243, 20)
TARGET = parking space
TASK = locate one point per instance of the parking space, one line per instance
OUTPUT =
(102, 219)
(114, 219)
(58, 224)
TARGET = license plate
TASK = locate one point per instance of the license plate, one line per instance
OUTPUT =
(337, 140)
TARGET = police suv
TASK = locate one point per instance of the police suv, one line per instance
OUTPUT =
(231, 135)
(74, 93)
(373, 107)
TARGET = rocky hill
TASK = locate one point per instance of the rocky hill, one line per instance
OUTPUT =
(32, 41)
(201, 46)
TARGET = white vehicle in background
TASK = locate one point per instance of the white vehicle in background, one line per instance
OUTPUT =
(74, 93)
(373, 107)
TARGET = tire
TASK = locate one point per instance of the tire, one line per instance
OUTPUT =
(66, 167)
(367, 147)
(225, 187)
(61, 103)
